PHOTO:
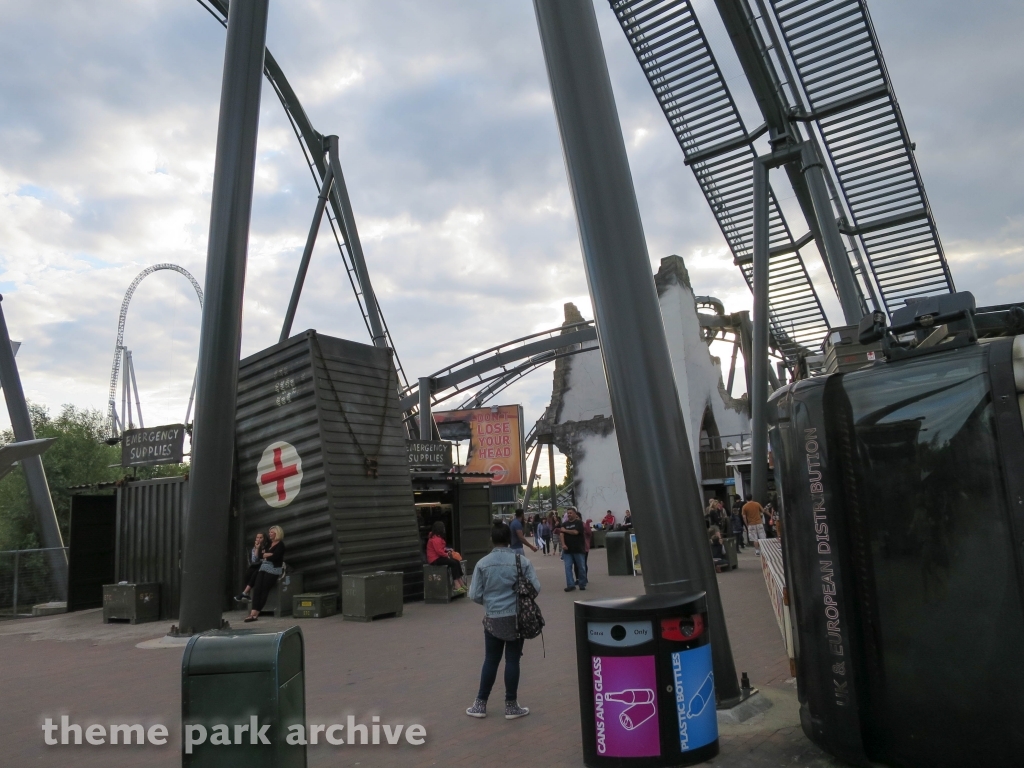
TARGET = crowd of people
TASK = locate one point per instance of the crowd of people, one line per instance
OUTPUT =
(496, 574)
(748, 522)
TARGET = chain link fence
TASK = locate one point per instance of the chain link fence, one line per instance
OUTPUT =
(25, 580)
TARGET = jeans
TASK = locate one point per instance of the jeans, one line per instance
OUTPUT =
(493, 647)
(578, 561)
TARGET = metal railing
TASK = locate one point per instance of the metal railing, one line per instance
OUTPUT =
(25, 580)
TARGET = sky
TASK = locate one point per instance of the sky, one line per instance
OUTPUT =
(108, 119)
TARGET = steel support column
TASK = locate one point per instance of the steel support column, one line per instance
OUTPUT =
(425, 416)
(553, 486)
(347, 220)
(657, 465)
(204, 560)
(758, 392)
(533, 476)
(307, 254)
(35, 477)
(835, 249)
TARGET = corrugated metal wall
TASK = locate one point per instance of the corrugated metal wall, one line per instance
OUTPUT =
(277, 401)
(150, 527)
(341, 519)
(476, 518)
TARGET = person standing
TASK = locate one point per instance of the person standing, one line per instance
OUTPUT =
(493, 579)
(573, 551)
(736, 526)
(556, 533)
(753, 515)
(588, 540)
(543, 535)
(519, 539)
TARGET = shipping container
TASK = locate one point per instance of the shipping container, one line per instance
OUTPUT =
(321, 451)
(151, 518)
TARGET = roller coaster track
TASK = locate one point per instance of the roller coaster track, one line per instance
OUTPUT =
(813, 63)
(313, 145)
(122, 318)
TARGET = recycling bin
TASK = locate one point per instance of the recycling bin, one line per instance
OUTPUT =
(647, 690)
(247, 678)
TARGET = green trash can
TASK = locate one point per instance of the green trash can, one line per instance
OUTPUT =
(620, 553)
(599, 538)
(248, 678)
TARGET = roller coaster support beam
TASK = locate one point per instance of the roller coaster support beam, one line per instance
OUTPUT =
(347, 219)
(35, 477)
(307, 254)
(649, 426)
(203, 572)
(835, 250)
(425, 416)
(758, 391)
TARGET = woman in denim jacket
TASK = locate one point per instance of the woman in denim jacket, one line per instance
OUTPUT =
(493, 578)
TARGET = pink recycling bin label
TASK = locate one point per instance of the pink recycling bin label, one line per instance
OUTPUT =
(626, 706)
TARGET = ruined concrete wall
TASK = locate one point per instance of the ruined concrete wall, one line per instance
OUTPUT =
(579, 414)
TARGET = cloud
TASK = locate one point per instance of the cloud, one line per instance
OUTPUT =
(453, 164)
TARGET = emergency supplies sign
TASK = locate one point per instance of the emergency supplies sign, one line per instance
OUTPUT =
(157, 445)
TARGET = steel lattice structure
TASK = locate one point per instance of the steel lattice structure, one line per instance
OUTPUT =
(812, 63)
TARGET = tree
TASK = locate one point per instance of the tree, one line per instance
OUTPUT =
(78, 457)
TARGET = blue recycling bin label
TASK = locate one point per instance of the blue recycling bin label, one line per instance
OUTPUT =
(694, 684)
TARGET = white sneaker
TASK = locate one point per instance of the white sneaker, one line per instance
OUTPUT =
(513, 710)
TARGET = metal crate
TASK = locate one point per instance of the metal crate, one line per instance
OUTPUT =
(366, 596)
(134, 603)
(315, 605)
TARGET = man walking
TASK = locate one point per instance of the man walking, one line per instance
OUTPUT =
(753, 516)
(573, 548)
(519, 539)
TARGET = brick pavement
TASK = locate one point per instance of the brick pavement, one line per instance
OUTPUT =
(421, 668)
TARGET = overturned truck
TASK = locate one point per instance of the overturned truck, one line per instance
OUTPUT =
(903, 534)
(321, 451)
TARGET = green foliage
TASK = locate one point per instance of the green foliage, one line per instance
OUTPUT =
(79, 457)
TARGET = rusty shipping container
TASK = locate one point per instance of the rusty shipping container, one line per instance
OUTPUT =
(322, 453)
(151, 518)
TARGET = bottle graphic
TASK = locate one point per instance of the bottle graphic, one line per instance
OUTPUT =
(641, 706)
(704, 694)
(636, 715)
(632, 696)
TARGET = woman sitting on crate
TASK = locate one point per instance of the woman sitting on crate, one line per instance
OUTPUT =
(270, 570)
(439, 553)
(255, 561)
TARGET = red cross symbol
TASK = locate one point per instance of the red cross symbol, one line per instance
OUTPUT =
(280, 474)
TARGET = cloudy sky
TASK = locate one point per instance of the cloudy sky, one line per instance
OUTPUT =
(108, 116)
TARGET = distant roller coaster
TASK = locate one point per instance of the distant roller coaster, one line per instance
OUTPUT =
(117, 425)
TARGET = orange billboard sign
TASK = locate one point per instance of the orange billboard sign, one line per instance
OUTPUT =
(495, 440)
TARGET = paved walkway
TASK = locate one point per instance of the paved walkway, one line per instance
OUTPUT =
(421, 668)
